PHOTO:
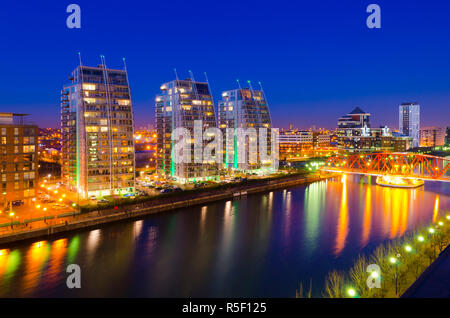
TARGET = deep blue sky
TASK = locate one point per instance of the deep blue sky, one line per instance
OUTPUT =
(317, 60)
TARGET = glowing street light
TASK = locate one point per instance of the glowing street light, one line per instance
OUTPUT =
(408, 248)
(420, 238)
(441, 223)
(393, 260)
(431, 230)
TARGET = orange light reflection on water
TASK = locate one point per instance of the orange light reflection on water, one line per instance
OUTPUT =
(35, 260)
(342, 226)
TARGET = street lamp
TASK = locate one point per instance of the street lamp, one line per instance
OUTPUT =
(351, 292)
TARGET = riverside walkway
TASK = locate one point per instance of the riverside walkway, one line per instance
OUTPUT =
(77, 220)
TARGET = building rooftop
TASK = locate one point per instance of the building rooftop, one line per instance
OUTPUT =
(357, 111)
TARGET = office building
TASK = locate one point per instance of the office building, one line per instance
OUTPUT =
(432, 137)
(179, 105)
(18, 159)
(354, 121)
(97, 145)
(409, 121)
(447, 136)
(245, 108)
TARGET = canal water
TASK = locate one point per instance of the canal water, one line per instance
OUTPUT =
(262, 245)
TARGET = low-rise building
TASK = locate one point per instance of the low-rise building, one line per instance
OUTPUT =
(18, 158)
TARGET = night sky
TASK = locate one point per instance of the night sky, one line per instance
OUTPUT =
(317, 60)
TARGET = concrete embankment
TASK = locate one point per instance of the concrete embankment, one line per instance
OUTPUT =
(136, 211)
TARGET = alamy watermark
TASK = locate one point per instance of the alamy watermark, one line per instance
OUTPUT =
(74, 279)
(374, 19)
(240, 145)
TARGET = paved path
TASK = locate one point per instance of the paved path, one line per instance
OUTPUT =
(434, 281)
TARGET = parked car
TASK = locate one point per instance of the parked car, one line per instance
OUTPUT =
(17, 203)
(102, 201)
(92, 197)
(166, 190)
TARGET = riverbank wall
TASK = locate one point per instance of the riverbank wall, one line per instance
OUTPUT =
(139, 210)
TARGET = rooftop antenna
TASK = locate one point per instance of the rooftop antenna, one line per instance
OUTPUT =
(176, 74)
(265, 99)
(125, 65)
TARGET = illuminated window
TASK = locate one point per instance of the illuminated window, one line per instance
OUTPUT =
(89, 87)
(90, 100)
(124, 102)
(91, 129)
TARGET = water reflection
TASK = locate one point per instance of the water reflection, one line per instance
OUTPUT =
(260, 245)
(342, 224)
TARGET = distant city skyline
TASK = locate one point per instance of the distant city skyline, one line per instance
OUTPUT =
(316, 61)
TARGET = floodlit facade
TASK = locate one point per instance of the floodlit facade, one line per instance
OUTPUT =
(351, 128)
(179, 105)
(244, 108)
(447, 136)
(18, 159)
(432, 137)
(97, 148)
(409, 121)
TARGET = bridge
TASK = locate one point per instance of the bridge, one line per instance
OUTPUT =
(403, 165)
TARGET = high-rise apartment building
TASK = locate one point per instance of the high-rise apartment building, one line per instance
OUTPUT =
(351, 128)
(97, 126)
(179, 105)
(244, 108)
(18, 158)
(409, 121)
